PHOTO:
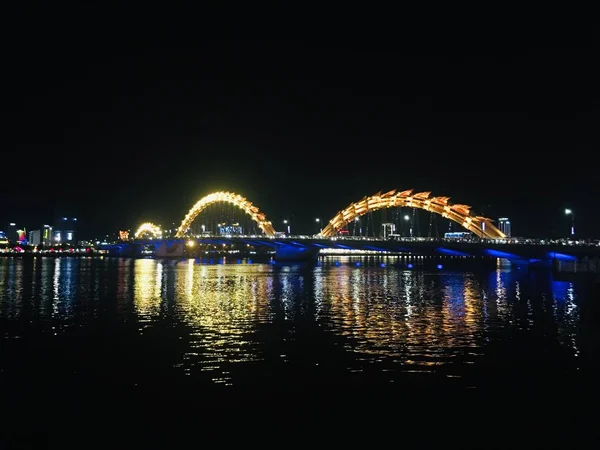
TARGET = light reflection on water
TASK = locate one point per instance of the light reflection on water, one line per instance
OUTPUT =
(227, 315)
(222, 308)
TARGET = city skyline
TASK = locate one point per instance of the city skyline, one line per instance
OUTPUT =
(398, 202)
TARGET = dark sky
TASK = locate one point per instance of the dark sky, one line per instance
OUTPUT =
(117, 131)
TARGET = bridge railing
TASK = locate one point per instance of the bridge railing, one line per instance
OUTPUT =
(471, 239)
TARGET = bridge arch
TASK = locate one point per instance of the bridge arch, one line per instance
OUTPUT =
(461, 214)
(148, 228)
(227, 197)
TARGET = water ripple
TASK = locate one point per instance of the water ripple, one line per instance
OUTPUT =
(239, 323)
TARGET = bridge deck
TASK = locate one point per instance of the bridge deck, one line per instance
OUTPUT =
(512, 251)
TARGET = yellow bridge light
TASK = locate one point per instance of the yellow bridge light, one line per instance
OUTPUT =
(460, 214)
(225, 197)
(148, 228)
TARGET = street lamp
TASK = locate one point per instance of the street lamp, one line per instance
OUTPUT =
(410, 230)
(569, 212)
(357, 221)
(10, 232)
(318, 222)
(285, 222)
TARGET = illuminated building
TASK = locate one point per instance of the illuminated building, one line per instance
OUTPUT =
(64, 230)
(41, 237)
(225, 229)
(22, 236)
(47, 236)
(3, 238)
(458, 235)
(35, 237)
(388, 229)
(504, 226)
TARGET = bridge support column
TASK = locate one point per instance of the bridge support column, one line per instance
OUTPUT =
(293, 253)
(168, 249)
(531, 263)
(125, 250)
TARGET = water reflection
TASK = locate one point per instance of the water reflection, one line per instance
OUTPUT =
(223, 305)
(566, 310)
(216, 317)
(11, 284)
(390, 313)
(147, 288)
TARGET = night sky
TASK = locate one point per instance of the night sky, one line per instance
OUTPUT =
(116, 133)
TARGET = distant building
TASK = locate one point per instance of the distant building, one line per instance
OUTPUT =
(47, 236)
(35, 237)
(3, 238)
(225, 229)
(504, 226)
(458, 235)
(64, 230)
(22, 236)
(388, 229)
(41, 237)
(63, 237)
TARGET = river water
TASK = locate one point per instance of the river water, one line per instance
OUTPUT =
(227, 333)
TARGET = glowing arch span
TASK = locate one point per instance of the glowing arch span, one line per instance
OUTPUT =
(148, 228)
(228, 197)
(460, 214)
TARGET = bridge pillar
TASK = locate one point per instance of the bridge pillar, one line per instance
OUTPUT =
(170, 249)
(293, 253)
(526, 263)
(125, 250)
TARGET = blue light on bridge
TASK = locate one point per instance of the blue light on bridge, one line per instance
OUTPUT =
(410, 266)
(382, 265)
(561, 256)
(499, 254)
(439, 266)
(358, 264)
(267, 244)
(450, 252)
